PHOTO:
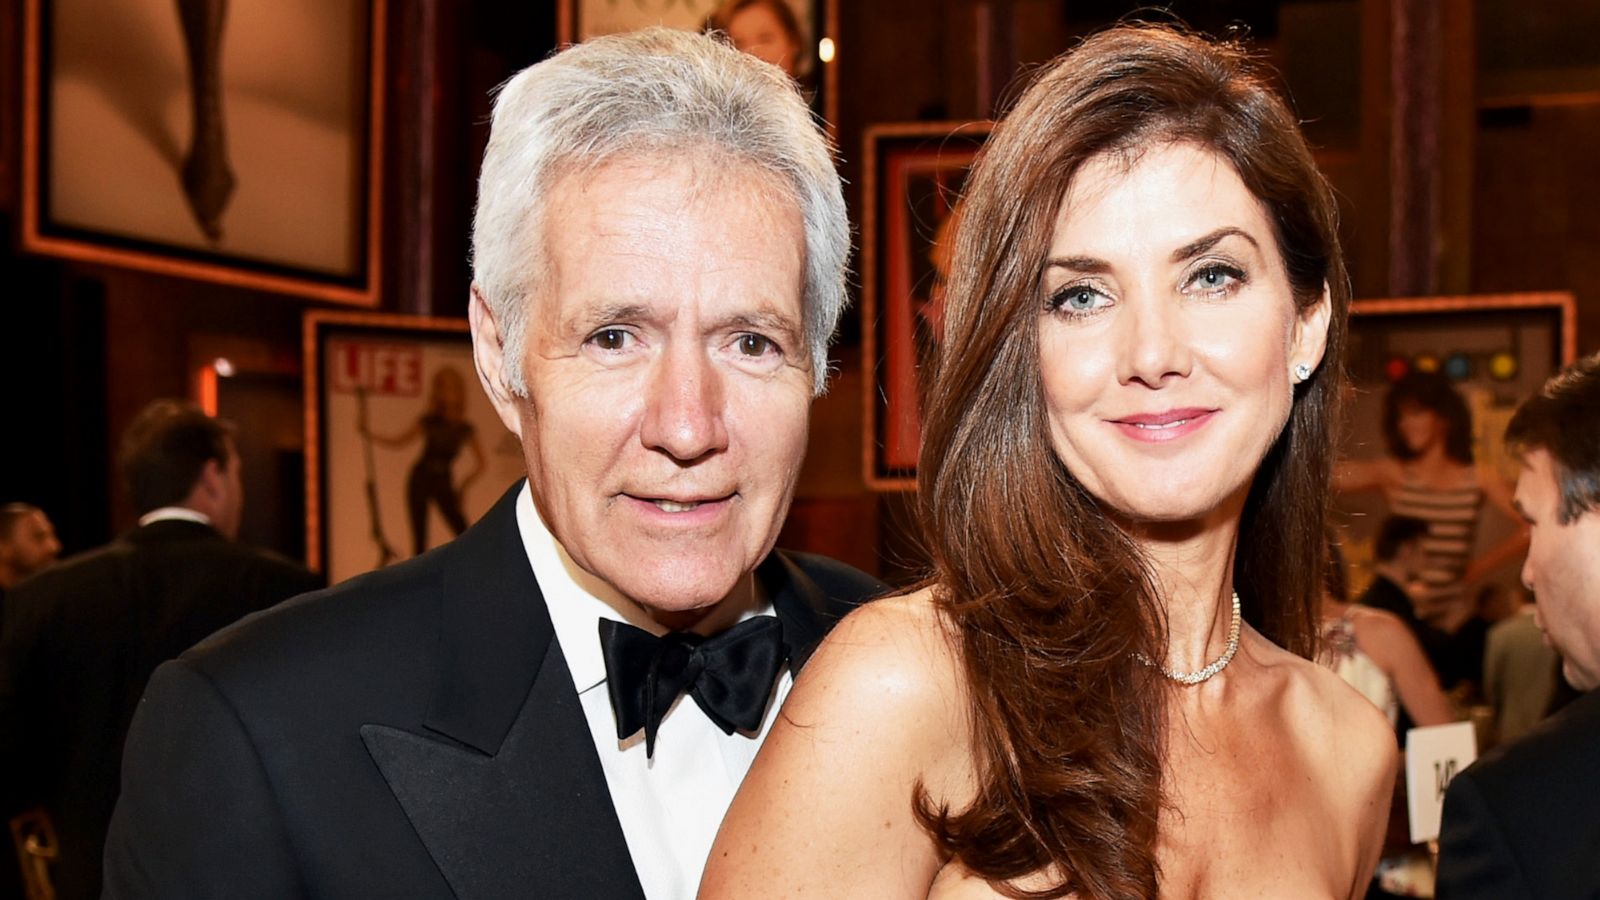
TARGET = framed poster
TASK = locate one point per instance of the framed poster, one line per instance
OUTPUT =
(403, 449)
(1494, 351)
(226, 142)
(816, 20)
(912, 176)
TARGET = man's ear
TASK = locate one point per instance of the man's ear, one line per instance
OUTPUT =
(1308, 341)
(488, 357)
(206, 492)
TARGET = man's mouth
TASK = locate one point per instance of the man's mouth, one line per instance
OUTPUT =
(680, 504)
(673, 506)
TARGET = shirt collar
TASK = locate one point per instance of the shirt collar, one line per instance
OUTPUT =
(578, 600)
(166, 513)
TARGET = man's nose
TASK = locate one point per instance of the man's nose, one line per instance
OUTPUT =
(684, 408)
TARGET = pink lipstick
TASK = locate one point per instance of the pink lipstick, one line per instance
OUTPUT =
(1161, 427)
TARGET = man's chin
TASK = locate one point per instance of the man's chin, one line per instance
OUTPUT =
(1580, 680)
(681, 600)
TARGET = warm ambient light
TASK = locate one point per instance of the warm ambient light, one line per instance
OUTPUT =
(224, 366)
(825, 50)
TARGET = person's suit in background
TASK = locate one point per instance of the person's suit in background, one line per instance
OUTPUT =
(1524, 820)
(414, 732)
(1520, 672)
(78, 643)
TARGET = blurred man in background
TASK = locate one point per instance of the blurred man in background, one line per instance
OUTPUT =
(1521, 821)
(80, 640)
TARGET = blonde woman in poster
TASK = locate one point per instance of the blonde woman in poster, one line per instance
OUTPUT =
(445, 431)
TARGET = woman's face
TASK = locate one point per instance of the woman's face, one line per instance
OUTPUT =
(1420, 427)
(1167, 333)
(758, 31)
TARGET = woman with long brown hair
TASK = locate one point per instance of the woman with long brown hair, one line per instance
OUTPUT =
(1104, 690)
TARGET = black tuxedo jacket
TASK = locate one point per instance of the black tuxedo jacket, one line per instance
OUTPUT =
(1524, 821)
(413, 732)
(78, 643)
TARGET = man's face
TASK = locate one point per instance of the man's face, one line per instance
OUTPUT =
(1562, 570)
(32, 544)
(1410, 558)
(668, 376)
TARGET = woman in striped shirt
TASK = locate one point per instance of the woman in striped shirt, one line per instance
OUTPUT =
(1430, 474)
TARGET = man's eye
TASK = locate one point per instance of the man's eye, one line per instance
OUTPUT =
(610, 339)
(754, 345)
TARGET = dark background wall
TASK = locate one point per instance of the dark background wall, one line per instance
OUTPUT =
(1501, 199)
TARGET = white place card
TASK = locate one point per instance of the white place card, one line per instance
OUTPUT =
(1433, 756)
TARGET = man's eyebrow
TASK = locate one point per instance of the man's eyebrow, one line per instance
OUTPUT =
(606, 314)
(1195, 248)
(762, 321)
(1517, 505)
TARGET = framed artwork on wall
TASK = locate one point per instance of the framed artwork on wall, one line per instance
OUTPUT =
(231, 143)
(913, 174)
(817, 20)
(1493, 351)
(403, 449)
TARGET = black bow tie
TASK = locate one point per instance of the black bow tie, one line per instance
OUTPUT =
(729, 675)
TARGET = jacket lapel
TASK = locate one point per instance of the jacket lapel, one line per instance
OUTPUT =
(504, 787)
(807, 611)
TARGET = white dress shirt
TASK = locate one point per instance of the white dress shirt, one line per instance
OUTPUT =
(181, 513)
(669, 806)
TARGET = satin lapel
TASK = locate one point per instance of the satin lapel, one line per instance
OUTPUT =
(506, 791)
(533, 820)
(806, 613)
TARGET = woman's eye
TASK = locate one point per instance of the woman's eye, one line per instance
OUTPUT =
(754, 345)
(610, 339)
(1078, 299)
(1214, 279)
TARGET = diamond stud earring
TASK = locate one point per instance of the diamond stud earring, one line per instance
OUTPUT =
(1301, 372)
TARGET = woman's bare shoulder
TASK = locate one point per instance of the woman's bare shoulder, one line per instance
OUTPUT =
(1377, 628)
(894, 661)
(874, 722)
(1345, 735)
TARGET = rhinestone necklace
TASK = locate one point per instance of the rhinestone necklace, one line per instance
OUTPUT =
(1217, 665)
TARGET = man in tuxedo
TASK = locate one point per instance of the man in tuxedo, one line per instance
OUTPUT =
(81, 639)
(1520, 822)
(562, 701)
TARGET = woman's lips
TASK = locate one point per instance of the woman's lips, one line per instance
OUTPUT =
(1161, 427)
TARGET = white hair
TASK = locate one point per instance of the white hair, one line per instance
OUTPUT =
(651, 93)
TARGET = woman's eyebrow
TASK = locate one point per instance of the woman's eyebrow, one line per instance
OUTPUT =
(1195, 248)
(1087, 264)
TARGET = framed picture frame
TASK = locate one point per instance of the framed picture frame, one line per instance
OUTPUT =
(580, 20)
(236, 144)
(1494, 349)
(912, 175)
(403, 448)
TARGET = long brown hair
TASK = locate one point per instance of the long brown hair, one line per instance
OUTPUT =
(1049, 597)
